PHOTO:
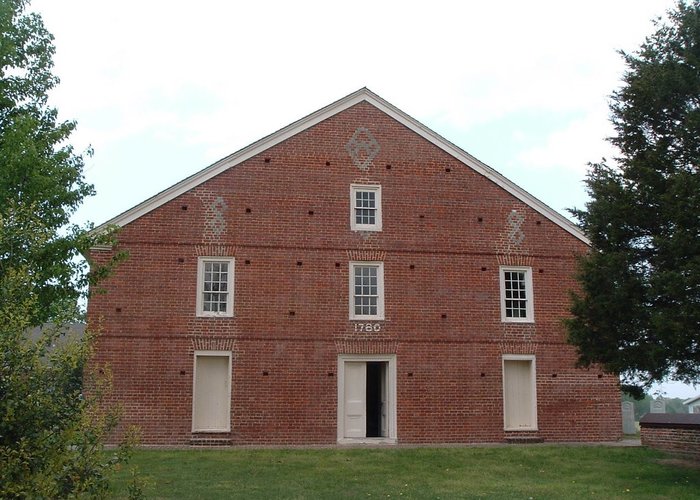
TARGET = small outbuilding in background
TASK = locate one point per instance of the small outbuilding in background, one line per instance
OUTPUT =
(693, 404)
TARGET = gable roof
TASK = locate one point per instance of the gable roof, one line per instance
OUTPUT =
(364, 94)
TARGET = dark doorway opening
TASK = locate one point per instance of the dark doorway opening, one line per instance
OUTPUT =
(376, 399)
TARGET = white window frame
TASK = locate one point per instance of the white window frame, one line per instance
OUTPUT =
(390, 359)
(377, 189)
(529, 295)
(200, 286)
(223, 354)
(380, 290)
(533, 382)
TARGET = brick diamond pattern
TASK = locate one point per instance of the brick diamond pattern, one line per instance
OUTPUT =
(362, 148)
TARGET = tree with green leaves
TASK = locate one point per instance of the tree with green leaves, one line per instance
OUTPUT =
(51, 430)
(40, 170)
(638, 309)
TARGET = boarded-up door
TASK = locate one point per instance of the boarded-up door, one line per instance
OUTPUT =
(355, 402)
(212, 393)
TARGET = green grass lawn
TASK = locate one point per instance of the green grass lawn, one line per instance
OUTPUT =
(499, 472)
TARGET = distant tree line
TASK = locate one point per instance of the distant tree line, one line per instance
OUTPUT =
(643, 406)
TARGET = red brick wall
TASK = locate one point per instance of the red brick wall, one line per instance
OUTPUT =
(680, 441)
(287, 225)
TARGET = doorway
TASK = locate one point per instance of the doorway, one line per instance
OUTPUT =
(376, 398)
(519, 393)
(366, 398)
(211, 392)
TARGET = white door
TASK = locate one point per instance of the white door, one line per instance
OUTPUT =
(355, 399)
(366, 398)
(518, 394)
(211, 407)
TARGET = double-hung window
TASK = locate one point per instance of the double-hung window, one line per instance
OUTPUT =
(516, 294)
(215, 286)
(366, 290)
(366, 207)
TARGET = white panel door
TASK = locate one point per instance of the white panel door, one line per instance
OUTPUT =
(212, 391)
(355, 399)
(518, 394)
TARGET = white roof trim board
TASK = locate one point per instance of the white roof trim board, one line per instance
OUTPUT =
(291, 130)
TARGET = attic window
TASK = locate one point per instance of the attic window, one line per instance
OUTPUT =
(366, 207)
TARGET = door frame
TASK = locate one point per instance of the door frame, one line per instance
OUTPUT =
(390, 359)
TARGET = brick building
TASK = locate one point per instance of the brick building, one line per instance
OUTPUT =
(353, 277)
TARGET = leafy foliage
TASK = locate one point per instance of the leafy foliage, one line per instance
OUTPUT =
(40, 170)
(51, 430)
(639, 313)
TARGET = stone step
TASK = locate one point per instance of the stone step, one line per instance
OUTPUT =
(524, 440)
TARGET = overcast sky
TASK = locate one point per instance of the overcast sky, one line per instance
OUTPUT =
(162, 89)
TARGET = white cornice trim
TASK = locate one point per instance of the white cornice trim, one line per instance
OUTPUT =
(102, 248)
(322, 114)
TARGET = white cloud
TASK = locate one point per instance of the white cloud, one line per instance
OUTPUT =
(675, 390)
(572, 147)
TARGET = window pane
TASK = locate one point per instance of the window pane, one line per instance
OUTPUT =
(365, 216)
(365, 199)
(515, 294)
(365, 207)
(215, 287)
(366, 290)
